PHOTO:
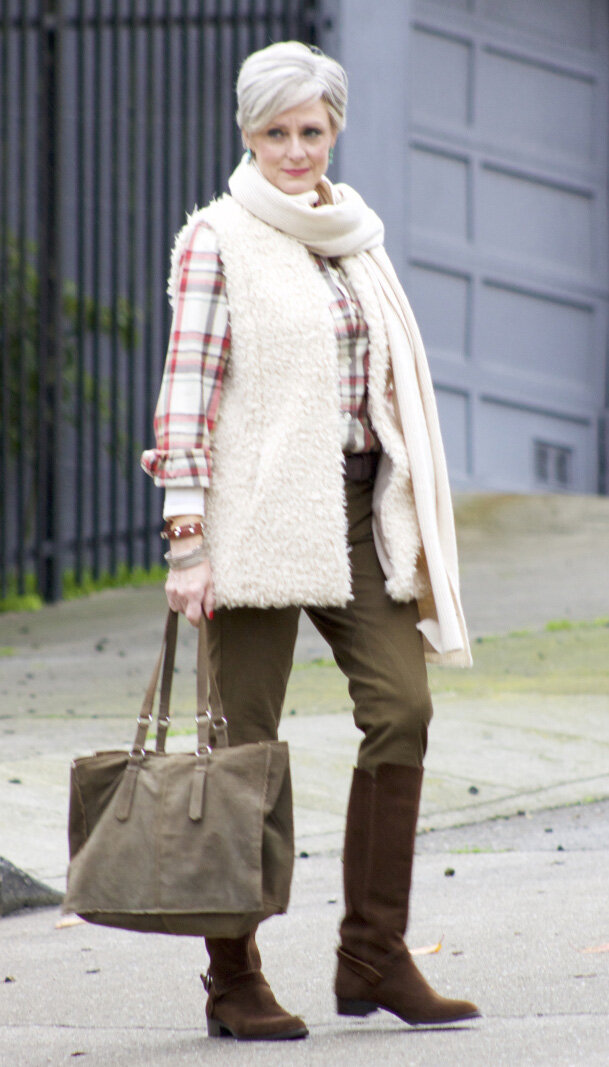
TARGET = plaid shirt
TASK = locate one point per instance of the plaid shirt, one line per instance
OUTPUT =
(199, 350)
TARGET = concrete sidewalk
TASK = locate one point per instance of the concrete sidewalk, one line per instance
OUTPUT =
(528, 896)
(517, 926)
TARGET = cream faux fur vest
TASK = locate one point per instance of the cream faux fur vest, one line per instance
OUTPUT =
(275, 511)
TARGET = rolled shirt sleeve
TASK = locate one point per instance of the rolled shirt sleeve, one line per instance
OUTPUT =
(189, 398)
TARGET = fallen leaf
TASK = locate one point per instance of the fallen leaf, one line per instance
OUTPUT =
(596, 948)
(68, 920)
(427, 950)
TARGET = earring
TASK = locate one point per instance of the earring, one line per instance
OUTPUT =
(331, 154)
(249, 155)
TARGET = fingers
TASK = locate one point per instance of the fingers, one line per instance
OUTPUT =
(193, 612)
(173, 600)
(191, 591)
(189, 606)
(209, 601)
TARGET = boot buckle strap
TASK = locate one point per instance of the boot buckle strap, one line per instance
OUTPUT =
(234, 982)
(364, 970)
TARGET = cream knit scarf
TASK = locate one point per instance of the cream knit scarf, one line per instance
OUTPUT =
(343, 225)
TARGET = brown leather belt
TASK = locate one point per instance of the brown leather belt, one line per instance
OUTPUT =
(361, 466)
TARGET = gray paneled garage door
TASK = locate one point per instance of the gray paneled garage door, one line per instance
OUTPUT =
(508, 233)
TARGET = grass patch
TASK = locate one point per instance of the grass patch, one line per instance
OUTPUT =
(319, 662)
(21, 599)
(559, 660)
(556, 625)
(125, 577)
(470, 850)
(21, 602)
(134, 578)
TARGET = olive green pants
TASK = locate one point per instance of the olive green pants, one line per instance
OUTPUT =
(375, 644)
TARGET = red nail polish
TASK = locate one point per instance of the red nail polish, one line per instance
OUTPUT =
(211, 615)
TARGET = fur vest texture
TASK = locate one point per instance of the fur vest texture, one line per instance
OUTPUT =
(275, 511)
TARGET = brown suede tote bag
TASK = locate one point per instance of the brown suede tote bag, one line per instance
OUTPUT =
(195, 843)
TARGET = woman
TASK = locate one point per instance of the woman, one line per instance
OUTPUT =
(299, 449)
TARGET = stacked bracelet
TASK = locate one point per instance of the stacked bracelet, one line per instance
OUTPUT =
(187, 559)
(174, 533)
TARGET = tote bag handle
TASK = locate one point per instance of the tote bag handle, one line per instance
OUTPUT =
(203, 717)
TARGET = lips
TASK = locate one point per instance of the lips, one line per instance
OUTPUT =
(297, 173)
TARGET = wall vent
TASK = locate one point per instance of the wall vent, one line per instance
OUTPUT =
(553, 466)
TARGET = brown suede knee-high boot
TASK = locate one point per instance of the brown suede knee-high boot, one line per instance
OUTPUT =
(375, 969)
(240, 1002)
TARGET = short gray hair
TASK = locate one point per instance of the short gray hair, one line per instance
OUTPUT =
(285, 75)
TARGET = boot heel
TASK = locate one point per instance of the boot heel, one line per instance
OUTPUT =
(217, 1029)
(350, 1006)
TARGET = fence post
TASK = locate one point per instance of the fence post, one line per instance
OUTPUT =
(50, 346)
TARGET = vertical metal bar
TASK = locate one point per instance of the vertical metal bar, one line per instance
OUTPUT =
(217, 103)
(185, 114)
(314, 28)
(165, 79)
(25, 426)
(149, 295)
(201, 98)
(96, 97)
(254, 21)
(131, 284)
(115, 148)
(300, 21)
(80, 399)
(5, 381)
(50, 318)
(286, 21)
(267, 22)
(236, 148)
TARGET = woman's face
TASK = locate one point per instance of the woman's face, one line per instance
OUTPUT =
(292, 151)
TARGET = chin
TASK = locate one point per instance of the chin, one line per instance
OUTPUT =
(297, 185)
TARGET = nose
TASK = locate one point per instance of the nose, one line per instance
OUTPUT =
(295, 147)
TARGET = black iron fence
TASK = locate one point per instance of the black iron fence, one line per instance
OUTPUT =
(115, 117)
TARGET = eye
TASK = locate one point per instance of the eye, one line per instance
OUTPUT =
(313, 131)
(275, 133)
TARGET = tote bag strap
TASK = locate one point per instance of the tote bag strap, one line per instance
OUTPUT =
(204, 718)
(170, 643)
(164, 667)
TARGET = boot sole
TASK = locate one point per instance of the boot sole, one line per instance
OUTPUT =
(360, 1008)
(215, 1028)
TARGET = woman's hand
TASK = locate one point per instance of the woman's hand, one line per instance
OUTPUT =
(191, 591)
